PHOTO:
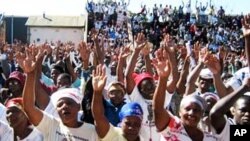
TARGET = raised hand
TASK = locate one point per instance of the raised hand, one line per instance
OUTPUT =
(141, 41)
(168, 41)
(146, 50)
(183, 52)
(67, 49)
(124, 52)
(47, 49)
(94, 35)
(28, 60)
(222, 52)
(246, 25)
(202, 54)
(212, 63)
(84, 51)
(99, 78)
(196, 50)
(161, 63)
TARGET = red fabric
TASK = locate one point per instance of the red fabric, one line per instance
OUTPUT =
(49, 89)
(139, 77)
(16, 101)
(18, 76)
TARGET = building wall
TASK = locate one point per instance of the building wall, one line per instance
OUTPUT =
(19, 28)
(42, 34)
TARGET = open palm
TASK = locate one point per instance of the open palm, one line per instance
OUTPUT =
(246, 25)
(212, 63)
(99, 78)
(161, 63)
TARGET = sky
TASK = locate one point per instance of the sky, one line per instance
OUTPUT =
(76, 7)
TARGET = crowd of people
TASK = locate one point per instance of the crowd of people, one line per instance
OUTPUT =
(166, 74)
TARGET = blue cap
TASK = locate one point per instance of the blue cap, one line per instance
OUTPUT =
(131, 109)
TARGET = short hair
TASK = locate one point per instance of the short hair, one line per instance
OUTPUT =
(243, 97)
(57, 67)
(66, 76)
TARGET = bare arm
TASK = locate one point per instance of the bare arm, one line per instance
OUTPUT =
(101, 122)
(171, 85)
(162, 66)
(194, 74)
(98, 48)
(223, 105)
(124, 52)
(42, 97)
(214, 66)
(181, 84)
(196, 71)
(70, 68)
(246, 33)
(28, 64)
(146, 52)
(130, 84)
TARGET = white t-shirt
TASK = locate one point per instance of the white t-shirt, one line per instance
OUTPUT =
(115, 134)
(54, 130)
(148, 127)
(35, 135)
(225, 133)
(51, 110)
(6, 132)
(111, 10)
(175, 131)
(237, 80)
(3, 113)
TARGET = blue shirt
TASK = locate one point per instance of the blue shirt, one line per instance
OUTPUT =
(112, 112)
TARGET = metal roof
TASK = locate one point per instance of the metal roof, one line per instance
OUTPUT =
(56, 21)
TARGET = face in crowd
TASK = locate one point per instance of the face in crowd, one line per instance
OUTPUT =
(67, 102)
(15, 114)
(191, 110)
(241, 110)
(131, 116)
(147, 88)
(68, 110)
(116, 93)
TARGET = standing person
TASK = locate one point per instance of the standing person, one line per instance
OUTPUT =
(191, 109)
(112, 107)
(239, 105)
(67, 105)
(141, 87)
(18, 120)
(188, 11)
(237, 101)
(130, 115)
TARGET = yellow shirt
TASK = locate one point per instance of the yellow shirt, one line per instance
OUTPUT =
(115, 134)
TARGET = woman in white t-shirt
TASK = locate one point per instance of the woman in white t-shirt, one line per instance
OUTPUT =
(192, 107)
(17, 119)
(67, 105)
